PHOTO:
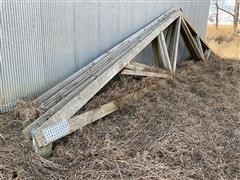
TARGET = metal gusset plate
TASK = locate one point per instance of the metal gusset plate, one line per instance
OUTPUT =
(56, 131)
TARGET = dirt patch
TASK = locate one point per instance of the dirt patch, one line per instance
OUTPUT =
(187, 129)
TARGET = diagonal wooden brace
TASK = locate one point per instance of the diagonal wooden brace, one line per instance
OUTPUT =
(190, 41)
(176, 37)
(165, 51)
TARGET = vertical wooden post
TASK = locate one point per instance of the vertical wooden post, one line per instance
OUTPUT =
(161, 53)
(165, 51)
(174, 53)
(207, 54)
(200, 45)
(169, 35)
(156, 60)
(45, 151)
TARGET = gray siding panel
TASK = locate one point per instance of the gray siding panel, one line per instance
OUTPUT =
(1, 59)
(22, 67)
(57, 40)
(43, 42)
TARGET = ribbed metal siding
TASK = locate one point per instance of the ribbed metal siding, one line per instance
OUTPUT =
(58, 40)
(22, 59)
(43, 42)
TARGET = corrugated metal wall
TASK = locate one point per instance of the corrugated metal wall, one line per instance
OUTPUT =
(43, 42)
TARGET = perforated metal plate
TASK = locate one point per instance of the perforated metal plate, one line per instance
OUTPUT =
(33, 131)
(56, 131)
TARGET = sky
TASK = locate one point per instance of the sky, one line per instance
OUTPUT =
(224, 18)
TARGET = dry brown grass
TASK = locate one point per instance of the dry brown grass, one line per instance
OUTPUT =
(189, 128)
(224, 41)
(27, 111)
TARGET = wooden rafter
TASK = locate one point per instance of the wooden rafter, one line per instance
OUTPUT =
(165, 55)
(157, 59)
(190, 41)
(176, 37)
(144, 73)
(199, 45)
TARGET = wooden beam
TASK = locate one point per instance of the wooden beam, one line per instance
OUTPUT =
(68, 110)
(169, 36)
(190, 41)
(45, 151)
(78, 122)
(136, 66)
(160, 52)
(165, 51)
(199, 45)
(207, 54)
(157, 59)
(75, 76)
(144, 73)
(194, 32)
(175, 44)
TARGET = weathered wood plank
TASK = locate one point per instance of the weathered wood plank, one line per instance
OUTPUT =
(194, 32)
(157, 59)
(199, 45)
(144, 73)
(165, 51)
(207, 54)
(169, 36)
(45, 151)
(176, 44)
(190, 41)
(136, 66)
(78, 122)
(161, 53)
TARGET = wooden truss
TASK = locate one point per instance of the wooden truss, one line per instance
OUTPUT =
(66, 98)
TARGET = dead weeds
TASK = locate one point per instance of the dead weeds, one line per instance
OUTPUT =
(189, 128)
(27, 111)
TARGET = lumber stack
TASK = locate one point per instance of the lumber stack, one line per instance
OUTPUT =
(67, 97)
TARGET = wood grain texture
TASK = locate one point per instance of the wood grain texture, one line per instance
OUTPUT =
(144, 73)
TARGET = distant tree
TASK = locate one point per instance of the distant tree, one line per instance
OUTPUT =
(217, 13)
(215, 16)
(234, 14)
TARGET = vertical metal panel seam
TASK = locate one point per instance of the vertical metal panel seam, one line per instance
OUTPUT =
(1, 59)
(74, 35)
(7, 61)
(42, 45)
(20, 6)
(4, 52)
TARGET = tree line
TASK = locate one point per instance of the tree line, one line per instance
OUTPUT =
(220, 6)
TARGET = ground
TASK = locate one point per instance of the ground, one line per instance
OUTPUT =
(189, 128)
